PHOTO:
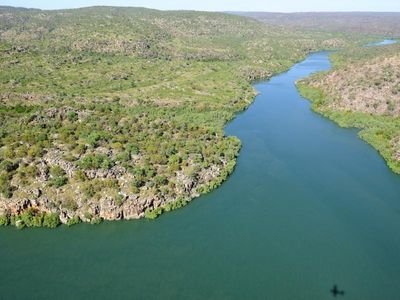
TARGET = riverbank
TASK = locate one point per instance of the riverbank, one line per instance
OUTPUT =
(123, 118)
(362, 92)
(302, 209)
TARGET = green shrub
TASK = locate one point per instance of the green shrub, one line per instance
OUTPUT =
(80, 176)
(96, 220)
(124, 156)
(132, 149)
(153, 214)
(161, 180)
(27, 217)
(72, 116)
(119, 199)
(73, 221)
(58, 181)
(5, 186)
(88, 215)
(4, 220)
(51, 220)
(57, 171)
(97, 161)
(35, 151)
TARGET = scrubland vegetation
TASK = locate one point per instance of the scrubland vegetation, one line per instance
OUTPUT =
(371, 23)
(363, 91)
(118, 113)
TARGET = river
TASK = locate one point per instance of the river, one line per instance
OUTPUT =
(381, 43)
(309, 205)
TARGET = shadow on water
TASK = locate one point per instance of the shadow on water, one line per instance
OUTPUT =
(336, 292)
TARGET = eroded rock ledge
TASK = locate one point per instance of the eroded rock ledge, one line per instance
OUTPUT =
(71, 205)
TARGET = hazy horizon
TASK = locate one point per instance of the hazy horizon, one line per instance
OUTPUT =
(283, 6)
(217, 11)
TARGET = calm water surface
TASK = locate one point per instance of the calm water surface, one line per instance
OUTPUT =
(381, 43)
(309, 205)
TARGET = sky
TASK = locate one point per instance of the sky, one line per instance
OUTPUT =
(222, 5)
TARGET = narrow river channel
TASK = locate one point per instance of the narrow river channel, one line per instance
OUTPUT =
(309, 205)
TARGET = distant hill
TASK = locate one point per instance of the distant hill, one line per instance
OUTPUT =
(381, 23)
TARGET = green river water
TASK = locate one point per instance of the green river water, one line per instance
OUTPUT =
(308, 206)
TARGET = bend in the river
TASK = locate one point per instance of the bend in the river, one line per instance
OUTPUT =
(308, 206)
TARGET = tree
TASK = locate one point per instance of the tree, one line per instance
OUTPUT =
(58, 177)
(51, 220)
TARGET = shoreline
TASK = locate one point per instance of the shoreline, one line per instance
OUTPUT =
(344, 119)
(31, 217)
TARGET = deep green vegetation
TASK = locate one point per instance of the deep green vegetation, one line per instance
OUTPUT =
(112, 113)
(31, 218)
(362, 91)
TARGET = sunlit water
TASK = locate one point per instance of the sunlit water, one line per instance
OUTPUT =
(381, 43)
(309, 205)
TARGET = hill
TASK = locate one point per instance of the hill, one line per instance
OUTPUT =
(118, 113)
(378, 23)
